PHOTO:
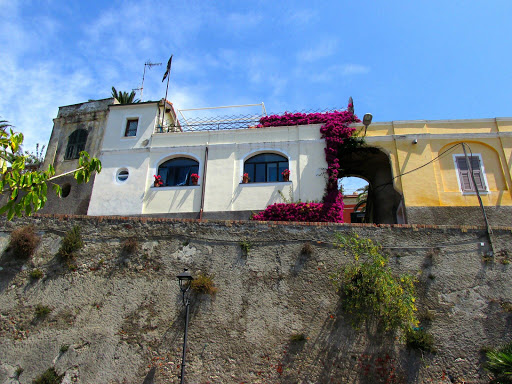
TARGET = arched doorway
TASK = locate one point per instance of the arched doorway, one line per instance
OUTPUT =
(384, 203)
(355, 193)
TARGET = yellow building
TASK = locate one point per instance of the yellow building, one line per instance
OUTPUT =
(429, 170)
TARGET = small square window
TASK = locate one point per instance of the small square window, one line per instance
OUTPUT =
(131, 127)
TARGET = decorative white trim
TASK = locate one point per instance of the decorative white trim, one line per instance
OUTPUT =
(438, 136)
(174, 187)
(116, 173)
(259, 151)
(266, 184)
(123, 128)
(154, 168)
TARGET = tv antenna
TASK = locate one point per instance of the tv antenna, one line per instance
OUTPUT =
(148, 64)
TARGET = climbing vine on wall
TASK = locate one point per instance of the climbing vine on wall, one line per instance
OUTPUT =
(370, 290)
(338, 134)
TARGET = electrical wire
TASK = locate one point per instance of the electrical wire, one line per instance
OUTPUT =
(421, 166)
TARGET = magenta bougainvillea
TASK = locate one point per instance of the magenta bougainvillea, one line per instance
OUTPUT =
(336, 130)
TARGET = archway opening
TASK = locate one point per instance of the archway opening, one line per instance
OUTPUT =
(355, 194)
(384, 204)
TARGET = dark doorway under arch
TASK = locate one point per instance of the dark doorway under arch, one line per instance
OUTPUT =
(384, 203)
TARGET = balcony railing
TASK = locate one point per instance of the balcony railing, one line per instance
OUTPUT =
(216, 123)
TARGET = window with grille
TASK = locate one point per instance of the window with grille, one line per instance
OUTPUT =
(131, 127)
(76, 144)
(177, 172)
(466, 182)
(266, 167)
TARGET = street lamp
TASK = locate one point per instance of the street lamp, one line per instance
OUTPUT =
(367, 120)
(184, 279)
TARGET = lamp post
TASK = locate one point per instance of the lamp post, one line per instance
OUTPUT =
(184, 279)
(367, 120)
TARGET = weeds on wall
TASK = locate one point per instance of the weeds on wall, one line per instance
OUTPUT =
(499, 364)
(420, 339)
(41, 311)
(50, 376)
(23, 242)
(370, 290)
(297, 337)
(36, 274)
(71, 243)
(130, 245)
(307, 249)
(203, 284)
(245, 246)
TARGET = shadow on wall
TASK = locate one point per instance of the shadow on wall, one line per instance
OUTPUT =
(377, 359)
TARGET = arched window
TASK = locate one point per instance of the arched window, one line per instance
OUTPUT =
(176, 172)
(266, 167)
(76, 144)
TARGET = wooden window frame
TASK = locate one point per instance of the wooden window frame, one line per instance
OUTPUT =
(464, 178)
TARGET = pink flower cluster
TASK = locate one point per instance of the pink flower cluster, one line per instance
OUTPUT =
(335, 130)
(310, 212)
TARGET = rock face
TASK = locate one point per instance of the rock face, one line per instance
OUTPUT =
(114, 314)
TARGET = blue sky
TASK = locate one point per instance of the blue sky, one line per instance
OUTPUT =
(400, 60)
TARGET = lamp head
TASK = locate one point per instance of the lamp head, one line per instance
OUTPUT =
(367, 119)
(184, 279)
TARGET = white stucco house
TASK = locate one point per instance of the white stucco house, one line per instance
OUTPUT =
(136, 147)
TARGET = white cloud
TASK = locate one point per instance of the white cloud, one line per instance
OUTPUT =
(240, 21)
(322, 50)
(337, 71)
(301, 17)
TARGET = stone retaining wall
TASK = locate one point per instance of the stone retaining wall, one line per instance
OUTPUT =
(118, 317)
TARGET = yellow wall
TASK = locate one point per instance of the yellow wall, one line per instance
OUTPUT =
(436, 182)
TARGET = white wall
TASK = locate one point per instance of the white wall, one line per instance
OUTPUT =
(228, 149)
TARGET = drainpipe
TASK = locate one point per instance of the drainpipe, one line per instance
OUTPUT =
(203, 185)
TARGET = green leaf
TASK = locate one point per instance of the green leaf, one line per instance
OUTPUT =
(57, 189)
(28, 209)
(18, 208)
(6, 207)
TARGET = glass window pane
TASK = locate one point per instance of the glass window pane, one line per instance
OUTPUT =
(266, 158)
(259, 176)
(272, 172)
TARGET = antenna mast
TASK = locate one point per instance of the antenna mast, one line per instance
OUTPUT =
(148, 64)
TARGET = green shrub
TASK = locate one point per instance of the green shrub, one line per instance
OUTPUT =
(297, 337)
(307, 249)
(71, 243)
(499, 363)
(36, 274)
(64, 348)
(41, 311)
(245, 246)
(50, 376)
(203, 283)
(23, 242)
(418, 338)
(370, 290)
(130, 245)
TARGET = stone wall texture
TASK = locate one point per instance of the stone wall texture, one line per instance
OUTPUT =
(117, 317)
